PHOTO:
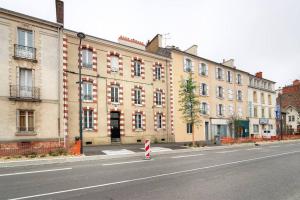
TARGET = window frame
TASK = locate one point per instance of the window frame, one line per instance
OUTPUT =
(88, 119)
(189, 128)
(85, 91)
(137, 68)
(158, 69)
(138, 120)
(158, 98)
(114, 60)
(26, 128)
(115, 94)
(159, 121)
(137, 96)
(87, 58)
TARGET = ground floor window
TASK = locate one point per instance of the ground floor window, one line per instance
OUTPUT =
(189, 128)
(255, 128)
(88, 119)
(138, 120)
(159, 120)
(25, 120)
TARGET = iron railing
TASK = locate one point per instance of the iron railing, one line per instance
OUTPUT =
(25, 52)
(24, 92)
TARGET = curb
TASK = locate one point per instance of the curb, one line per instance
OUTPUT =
(18, 163)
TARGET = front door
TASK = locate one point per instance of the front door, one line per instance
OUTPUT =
(206, 132)
(115, 126)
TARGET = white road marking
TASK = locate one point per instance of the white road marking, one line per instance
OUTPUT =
(185, 156)
(158, 149)
(155, 176)
(274, 146)
(255, 148)
(228, 151)
(33, 172)
(128, 162)
(117, 152)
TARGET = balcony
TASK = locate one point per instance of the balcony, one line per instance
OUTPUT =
(24, 93)
(25, 52)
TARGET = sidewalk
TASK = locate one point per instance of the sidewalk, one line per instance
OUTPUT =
(139, 153)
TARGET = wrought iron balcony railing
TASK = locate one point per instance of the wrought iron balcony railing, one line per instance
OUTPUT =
(26, 93)
(25, 52)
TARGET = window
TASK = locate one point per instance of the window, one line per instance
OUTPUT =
(255, 128)
(255, 111)
(240, 112)
(269, 86)
(262, 96)
(158, 98)
(290, 118)
(25, 83)
(87, 58)
(270, 112)
(239, 79)
(269, 100)
(203, 69)
(254, 96)
(114, 63)
(87, 91)
(220, 110)
(189, 128)
(230, 94)
(230, 109)
(229, 76)
(270, 126)
(138, 120)
(293, 118)
(157, 72)
(25, 38)
(220, 92)
(25, 120)
(188, 66)
(219, 73)
(88, 119)
(137, 96)
(159, 120)
(137, 68)
(204, 108)
(203, 89)
(239, 95)
(262, 112)
(115, 94)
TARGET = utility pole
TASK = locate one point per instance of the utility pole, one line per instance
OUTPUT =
(281, 122)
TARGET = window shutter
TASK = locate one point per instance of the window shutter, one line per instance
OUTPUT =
(206, 70)
(223, 93)
(217, 109)
(207, 108)
(231, 78)
(216, 72)
(193, 68)
(184, 64)
(199, 69)
(224, 109)
(200, 89)
(217, 91)
(242, 95)
(236, 78)
(17, 120)
(223, 74)
(241, 79)
(201, 106)
(237, 95)
(207, 90)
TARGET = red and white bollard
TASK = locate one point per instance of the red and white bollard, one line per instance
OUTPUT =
(147, 149)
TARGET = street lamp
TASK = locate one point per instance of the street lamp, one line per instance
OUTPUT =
(81, 36)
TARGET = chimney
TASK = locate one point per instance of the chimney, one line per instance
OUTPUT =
(296, 82)
(59, 11)
(131, 42)
(193, 50)
(259, 75)
(154, 45)
(229, 63)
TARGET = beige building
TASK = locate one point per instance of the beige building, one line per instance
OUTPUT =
(222, 93)
(31, 75)
(124, 91)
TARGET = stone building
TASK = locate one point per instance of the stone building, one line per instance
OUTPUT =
(125, 93)
(31, 79)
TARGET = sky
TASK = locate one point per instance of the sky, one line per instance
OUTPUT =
(260, 35)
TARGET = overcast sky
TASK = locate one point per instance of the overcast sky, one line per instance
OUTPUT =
(261, 35)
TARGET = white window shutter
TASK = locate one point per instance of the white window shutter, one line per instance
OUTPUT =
(242, 95)
(207, 90)
(236, 78)
(223, 74)
(237, 95)
(231, 77)
(193, 68)
(207, 108)
(217, 91)
(184, 64)
(200, 89)
(206, 70)
(17, 119)
(223, 92)
(241, 79)
(217, 109)
(217, 72)
(224, 109)
(199, 69)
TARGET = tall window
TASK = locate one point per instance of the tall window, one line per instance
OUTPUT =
(220, 110)
(25, 120)
(270, 113)
(138, 120)
(254, 96)
(255, 111)
(203, 69)
(203, 89)
(229, 76)
(87, 91)
(239, 79)
(115, 94)
(220, 92)
(137, 96)
(262, 97)
(159, 120)
(137, 68)
(114, 63)
(239, 95)
(262, 112)
(88, 119)
(157, 72)
(87, 58)
(269, 100)
(188, 65)
(25, 38)
(25, 83)
(204, 108)
(255, 128)
(158, 98)
(189, 128)
(219, 73)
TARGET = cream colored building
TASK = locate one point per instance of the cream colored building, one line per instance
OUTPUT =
(30, 90)
(222, 92)
(261, 106)
(125, 91)
(292, 119)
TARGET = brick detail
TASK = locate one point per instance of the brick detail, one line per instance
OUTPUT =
(86, 46)
(95, 87)
(108, 92)
(122, 121)
(163, 120)
(162, 71)
(171, 98)
(113, 53)
(134, 59)
(143, 95)
(163, 97)
(143, 119)
(95, 117)
(65, 86)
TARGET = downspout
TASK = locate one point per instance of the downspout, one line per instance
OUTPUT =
(168, 101)
(60, 103)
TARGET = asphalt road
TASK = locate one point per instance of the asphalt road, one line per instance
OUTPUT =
(264, 172)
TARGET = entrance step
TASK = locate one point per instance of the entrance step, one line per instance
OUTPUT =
(115, 140)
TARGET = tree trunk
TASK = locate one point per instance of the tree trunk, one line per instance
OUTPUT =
(193, 135)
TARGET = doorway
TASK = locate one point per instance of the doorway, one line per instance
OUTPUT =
(115, 126)
(206, 132)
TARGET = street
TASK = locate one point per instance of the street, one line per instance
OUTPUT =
(264, 172)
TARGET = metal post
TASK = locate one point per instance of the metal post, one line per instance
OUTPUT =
(81, 36)
(281, 123)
